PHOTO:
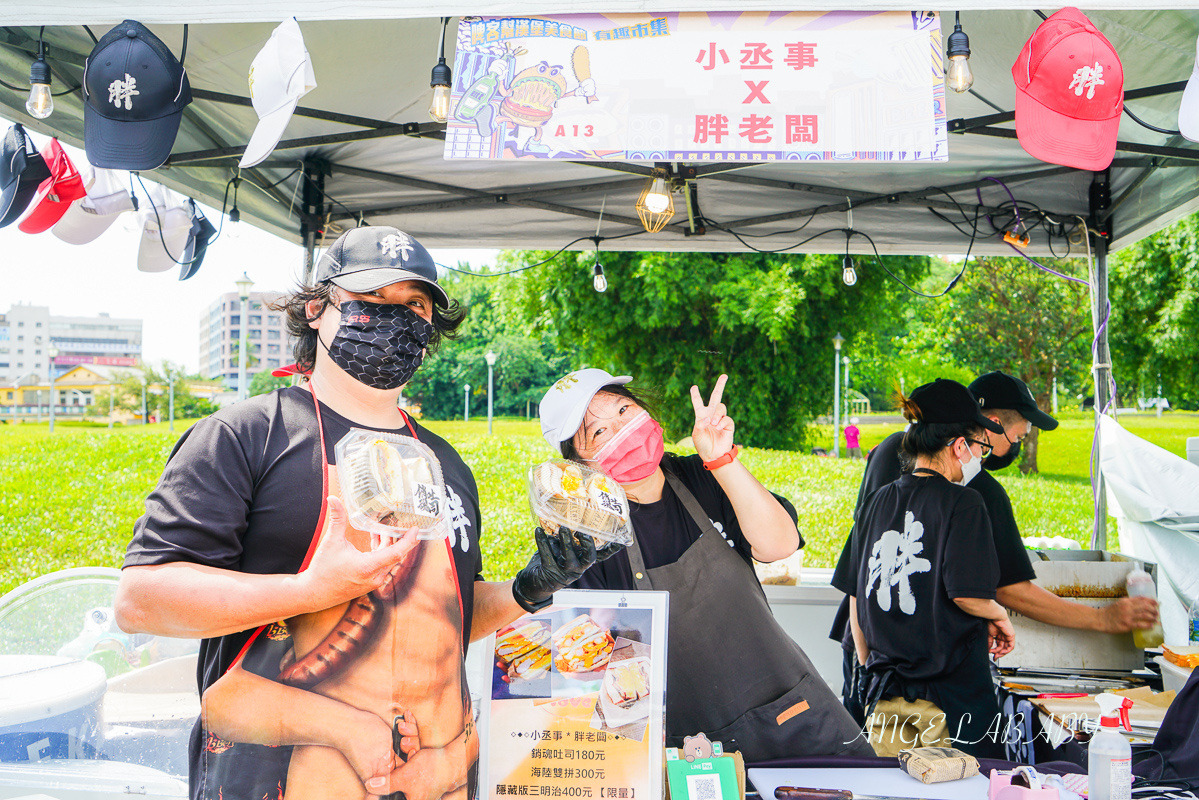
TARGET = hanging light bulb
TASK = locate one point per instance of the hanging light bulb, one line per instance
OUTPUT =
(658, 197)
(958, 75)
(655, 205)
(848, 273)
(600, 282)
(439, 108)
(40, 103)
(233, 224)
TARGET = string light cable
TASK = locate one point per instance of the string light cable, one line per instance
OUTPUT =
(559, 252)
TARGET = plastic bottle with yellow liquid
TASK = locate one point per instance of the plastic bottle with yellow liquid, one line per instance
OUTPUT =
(1140, 584)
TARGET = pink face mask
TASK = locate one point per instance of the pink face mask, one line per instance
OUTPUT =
(634, 452)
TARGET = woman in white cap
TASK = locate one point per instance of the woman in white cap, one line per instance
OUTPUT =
(732, 672)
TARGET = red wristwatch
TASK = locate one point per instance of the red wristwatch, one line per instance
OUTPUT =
(720, 461)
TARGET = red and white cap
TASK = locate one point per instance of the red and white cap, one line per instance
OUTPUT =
(107, 198)
(55, 194)
(1069, 93)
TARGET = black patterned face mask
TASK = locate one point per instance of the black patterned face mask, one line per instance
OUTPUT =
(380, 344)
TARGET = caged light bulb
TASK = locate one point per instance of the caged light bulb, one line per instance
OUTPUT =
(600, 282)
(959, 77)
(848, 273)
(657, 199)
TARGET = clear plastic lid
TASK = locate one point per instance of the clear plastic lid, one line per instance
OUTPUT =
(585, 500)
(391, 483)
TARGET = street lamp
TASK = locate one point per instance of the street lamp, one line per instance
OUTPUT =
(838, 340)
(171, 406)
(466, 406)
(243, 291)
(845, 382)
(53, 354)
(491, 358)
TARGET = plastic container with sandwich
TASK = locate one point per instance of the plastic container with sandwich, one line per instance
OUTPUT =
(391, 483)
(585, 500)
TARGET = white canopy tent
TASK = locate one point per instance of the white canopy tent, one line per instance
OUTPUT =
(363, 149)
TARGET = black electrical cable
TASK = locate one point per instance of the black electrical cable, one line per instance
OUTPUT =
(1144, 124)
(596, 239)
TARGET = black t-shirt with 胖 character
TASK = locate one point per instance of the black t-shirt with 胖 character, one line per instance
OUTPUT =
(243, 491)
(665, 530)
(883, 467)
(920, 542)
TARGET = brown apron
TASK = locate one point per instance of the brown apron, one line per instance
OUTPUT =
(394, 651)
(732, 671)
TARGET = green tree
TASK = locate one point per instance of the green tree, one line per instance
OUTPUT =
(1154, 330)
(677, 319)
(160, 379)
(1007, 315)
(528, 361)
(264, 382)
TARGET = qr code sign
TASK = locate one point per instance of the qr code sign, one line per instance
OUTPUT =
(703, 787)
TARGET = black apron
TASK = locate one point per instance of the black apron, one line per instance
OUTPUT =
(966, 695)
(732, 671)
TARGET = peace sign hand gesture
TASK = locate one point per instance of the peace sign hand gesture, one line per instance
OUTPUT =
(713, 431)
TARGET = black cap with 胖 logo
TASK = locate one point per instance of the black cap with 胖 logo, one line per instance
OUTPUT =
(368, 258)
(134, 94)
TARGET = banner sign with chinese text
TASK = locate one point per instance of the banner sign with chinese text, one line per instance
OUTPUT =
(576, 704)
(694, 86)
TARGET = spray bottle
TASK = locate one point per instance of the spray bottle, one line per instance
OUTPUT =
(1109, 757)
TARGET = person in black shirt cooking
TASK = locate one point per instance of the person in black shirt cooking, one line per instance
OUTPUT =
(922, 594)
(1006, 401)
(732, 671)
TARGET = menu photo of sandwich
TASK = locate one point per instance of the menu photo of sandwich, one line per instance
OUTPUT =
(581, 648)
(624, 698)
(522, 650)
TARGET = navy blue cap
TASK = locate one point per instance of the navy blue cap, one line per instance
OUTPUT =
(371, 257)
(198, 237)
(22, 171)
(134, 92)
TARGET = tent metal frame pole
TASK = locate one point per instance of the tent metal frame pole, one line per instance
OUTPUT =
(420, 130)
(312, 212)
(1100, 202)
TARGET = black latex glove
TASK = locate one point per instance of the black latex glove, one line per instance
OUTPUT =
(607, 551)
(559, 561)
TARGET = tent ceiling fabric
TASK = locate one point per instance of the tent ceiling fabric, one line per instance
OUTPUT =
(402, 179)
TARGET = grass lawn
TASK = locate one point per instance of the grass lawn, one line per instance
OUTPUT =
(71, 499)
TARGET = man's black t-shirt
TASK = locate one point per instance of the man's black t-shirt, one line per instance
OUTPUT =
(665, 530)
(920, 542)
(242, 490)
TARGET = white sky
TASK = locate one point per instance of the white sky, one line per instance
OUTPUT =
(103, 276)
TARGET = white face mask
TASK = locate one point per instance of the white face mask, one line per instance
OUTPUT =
(969, 468)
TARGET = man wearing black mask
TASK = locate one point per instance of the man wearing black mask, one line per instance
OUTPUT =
(1006, 400)
(332, 656)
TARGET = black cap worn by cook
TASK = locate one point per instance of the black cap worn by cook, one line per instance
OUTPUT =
(22, 170)
(999, 390)
(134, 94)
(369, 258)
(945, 401)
